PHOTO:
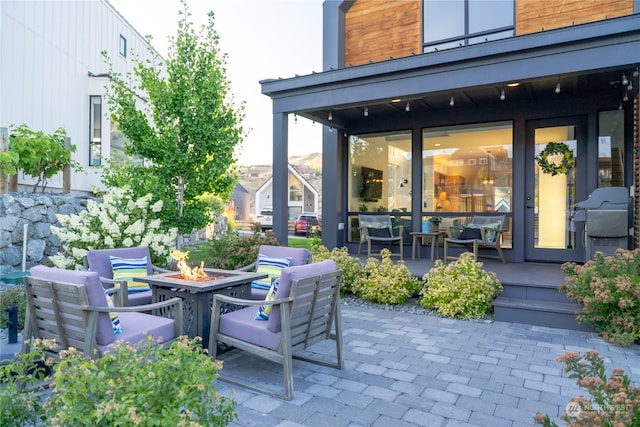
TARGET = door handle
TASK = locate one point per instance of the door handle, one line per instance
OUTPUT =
(530, 207)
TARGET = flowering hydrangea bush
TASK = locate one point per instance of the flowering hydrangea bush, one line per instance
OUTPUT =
(118, 221)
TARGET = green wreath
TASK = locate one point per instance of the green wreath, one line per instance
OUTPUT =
(554, 149)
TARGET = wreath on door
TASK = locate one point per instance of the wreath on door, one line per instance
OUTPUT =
(555, 149)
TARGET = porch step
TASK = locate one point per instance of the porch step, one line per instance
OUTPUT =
(539, 312)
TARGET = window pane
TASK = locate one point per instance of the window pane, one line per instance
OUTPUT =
(611, 149)
(443, 19)
(467, 168)
(489, 14)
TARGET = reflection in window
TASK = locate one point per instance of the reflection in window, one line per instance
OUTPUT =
(117, 143)
(611, 149)
(380, 171)
(453, 23)
(467, 169)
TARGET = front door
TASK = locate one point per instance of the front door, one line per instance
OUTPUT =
(553, 186)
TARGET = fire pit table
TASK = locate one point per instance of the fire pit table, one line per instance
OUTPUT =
(197, 295)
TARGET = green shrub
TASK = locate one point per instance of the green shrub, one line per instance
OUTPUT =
(13, 295)
(613, 402)
(352, 268)
(384, 282)
(20, 403)
(461, 288)
(608, 288)
(144, 385)
(231, 251)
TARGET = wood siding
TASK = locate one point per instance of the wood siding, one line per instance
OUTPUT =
(376, 30)
(537, 15)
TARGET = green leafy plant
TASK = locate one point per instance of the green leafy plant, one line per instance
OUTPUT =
(386, 282)
(613, 402)
(142, 384)
(460, 289)
(39, 155)
(118, 221)
(352, 268)
(231, 251)
(13, 296)
(139, 385)
(436, 220)
(20, 402)
(608, 288)
(188, 129)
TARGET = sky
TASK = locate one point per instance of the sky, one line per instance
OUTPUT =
(264, 39)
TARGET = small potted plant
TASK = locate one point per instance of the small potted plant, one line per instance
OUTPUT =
(435, 222)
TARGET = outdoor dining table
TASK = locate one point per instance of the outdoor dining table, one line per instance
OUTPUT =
(197, 295)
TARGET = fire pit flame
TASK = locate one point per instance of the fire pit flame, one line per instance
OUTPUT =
(189, 273)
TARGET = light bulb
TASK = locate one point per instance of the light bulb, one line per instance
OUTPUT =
(502, 95)
(330, 116)
(625, 81)
(558, 87)
(452, 102)
(366, 111)
(407, 108)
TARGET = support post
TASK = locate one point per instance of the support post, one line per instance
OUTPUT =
(66, 171)
(4, 147)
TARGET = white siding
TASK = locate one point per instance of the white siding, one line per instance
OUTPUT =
(47, 50)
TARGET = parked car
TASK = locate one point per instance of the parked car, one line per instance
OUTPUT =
(265, 219)
(304, 223)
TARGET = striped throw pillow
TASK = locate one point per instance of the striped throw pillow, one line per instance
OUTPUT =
(265, 309)
(128, 269)
(273, 267)
(115, 320)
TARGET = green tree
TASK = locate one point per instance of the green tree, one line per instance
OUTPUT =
(38, 154)
(188, 129)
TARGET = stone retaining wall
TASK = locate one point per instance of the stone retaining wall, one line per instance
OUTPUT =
(38, 211)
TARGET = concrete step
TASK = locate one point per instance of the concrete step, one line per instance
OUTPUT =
(553, 314)
(534, 291)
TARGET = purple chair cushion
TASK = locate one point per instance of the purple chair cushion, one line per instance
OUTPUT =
(95, 293)
(136, 326)
(287, 277)
(139, 298)
(241, 324)
(99, 259)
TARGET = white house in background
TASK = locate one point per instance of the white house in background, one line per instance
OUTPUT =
(53, 75)
(302, 196)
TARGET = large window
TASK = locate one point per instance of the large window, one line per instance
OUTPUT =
(467, 169)
(453, 23)
(380, 172)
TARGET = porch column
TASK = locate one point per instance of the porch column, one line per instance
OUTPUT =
(332, 188)
(280, 177)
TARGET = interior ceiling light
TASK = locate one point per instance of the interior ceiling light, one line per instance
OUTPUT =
(625, 81)
(513, 84)
(452, 102)
(558, 87)
(396, 100)
(366, 111)
(407, 108)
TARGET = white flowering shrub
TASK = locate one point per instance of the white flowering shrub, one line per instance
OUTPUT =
(117, 221)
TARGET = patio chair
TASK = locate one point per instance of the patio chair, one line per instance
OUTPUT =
(271, 260)
(71, 307)
(484, 231)
(379, 229)
(133, 293)
(305, 310)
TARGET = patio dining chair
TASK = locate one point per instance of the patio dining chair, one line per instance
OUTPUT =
(72, 307)
(120, 272)
(303, 311)
(379, 229)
